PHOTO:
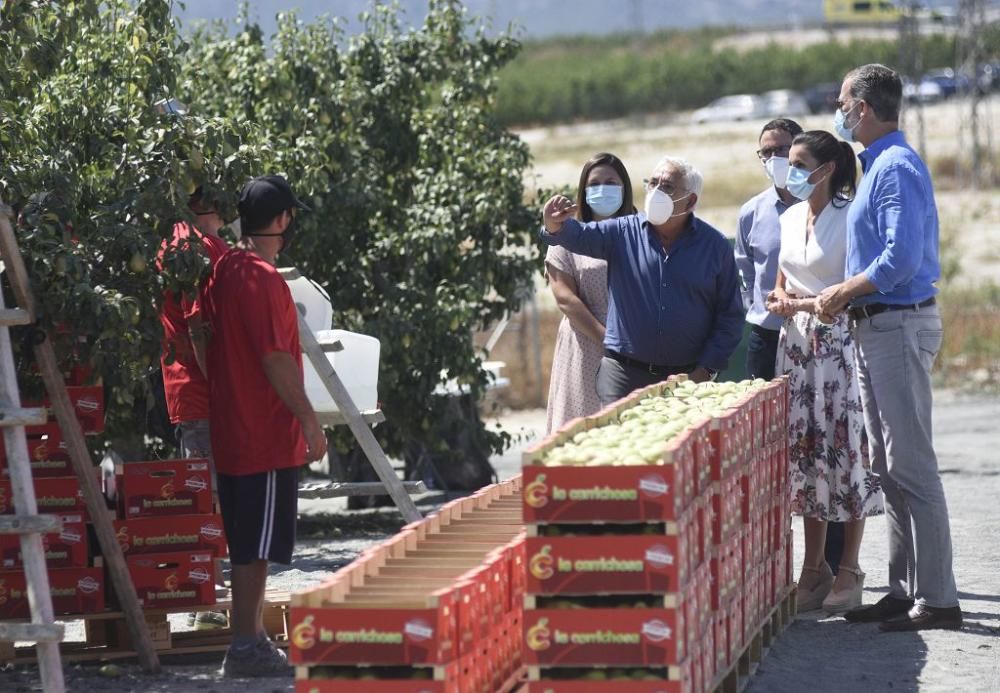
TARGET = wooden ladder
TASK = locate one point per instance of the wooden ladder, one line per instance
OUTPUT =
(27, 522)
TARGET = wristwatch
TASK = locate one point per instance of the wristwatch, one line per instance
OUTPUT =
(712, 374)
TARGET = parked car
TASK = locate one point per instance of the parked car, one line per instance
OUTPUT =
(822, 98)
(733, 107)
(949, 82)
(924, 92)
(783, 102)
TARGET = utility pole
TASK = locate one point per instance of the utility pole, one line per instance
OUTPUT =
(975, 126)
(911, 64)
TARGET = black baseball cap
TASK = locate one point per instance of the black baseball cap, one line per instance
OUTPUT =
(264, 198)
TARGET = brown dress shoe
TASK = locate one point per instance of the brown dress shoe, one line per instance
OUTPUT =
(884, 609)
(924, 618)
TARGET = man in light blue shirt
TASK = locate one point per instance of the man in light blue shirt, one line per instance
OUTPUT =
(889, 292)
(757, 243)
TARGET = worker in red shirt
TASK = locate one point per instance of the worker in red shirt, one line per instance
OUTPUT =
(182, 362)
(184, 382)
(263, 426)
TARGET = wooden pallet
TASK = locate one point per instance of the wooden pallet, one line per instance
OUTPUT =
(738, 677)
(108, 637)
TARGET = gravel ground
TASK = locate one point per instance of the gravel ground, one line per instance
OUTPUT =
(801, 660)
(821, 655)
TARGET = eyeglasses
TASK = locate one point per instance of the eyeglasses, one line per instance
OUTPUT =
(663, 184)
(768, 152)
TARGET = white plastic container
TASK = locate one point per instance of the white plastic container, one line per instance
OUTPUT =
(311, 301)
(357, 366)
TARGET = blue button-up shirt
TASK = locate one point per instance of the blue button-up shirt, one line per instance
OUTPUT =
(758, 241)
(892, 226)
(667, 308)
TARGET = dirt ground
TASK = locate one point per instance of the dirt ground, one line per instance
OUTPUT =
(820, 656)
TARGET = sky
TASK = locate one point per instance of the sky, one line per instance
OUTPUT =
(542, 18)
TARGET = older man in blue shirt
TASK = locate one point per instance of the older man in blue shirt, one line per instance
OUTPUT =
(892, 266)
(673, 298)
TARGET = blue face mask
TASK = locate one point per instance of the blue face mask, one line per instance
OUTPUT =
(840, 124)
(604, 200)
(798, 182)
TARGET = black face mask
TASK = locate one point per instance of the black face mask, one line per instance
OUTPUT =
(286, 236)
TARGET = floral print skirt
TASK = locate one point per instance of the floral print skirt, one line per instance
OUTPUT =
(831, 478)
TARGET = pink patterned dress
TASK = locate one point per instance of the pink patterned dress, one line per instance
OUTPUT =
(573, 386)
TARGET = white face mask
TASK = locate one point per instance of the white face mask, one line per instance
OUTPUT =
(777, 170)
(660, 206)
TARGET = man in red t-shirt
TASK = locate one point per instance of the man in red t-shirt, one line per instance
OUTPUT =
(263, 426)
(184, 382)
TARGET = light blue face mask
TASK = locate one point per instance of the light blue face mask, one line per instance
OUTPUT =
(605, 200)
(840, 124)
(798, 182)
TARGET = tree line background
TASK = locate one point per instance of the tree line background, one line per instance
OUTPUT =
(586, 78)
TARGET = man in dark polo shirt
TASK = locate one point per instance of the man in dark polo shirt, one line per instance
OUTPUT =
(674, 301)
(263, 426)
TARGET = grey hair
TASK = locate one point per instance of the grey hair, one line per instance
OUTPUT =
(880, 87)
(693, 180)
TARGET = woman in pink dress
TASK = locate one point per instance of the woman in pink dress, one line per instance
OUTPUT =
(580, 285)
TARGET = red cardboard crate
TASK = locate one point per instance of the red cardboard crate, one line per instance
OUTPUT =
(47, 454)
(88, 405)
(703, 452)
(57, 494)
(66, 548)
(491, 575)
(735, 624)
(703, 587)
(165, 487)
(605, 637)
(695, 666)
(518, 572)
(471, 616)
(456, 685)
(609, 686)
(176, 578)
(722, 434)
(721, 637)
(608, 494)
(74, 591)
(448, 678)
(179, 533)
(708, 657)
(376, 636)
(608, 564)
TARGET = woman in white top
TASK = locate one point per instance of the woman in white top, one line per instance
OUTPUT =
(828, 448)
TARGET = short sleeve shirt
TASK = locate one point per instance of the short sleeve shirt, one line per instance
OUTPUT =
(814, 263)
(183, 382)
(251, 314)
